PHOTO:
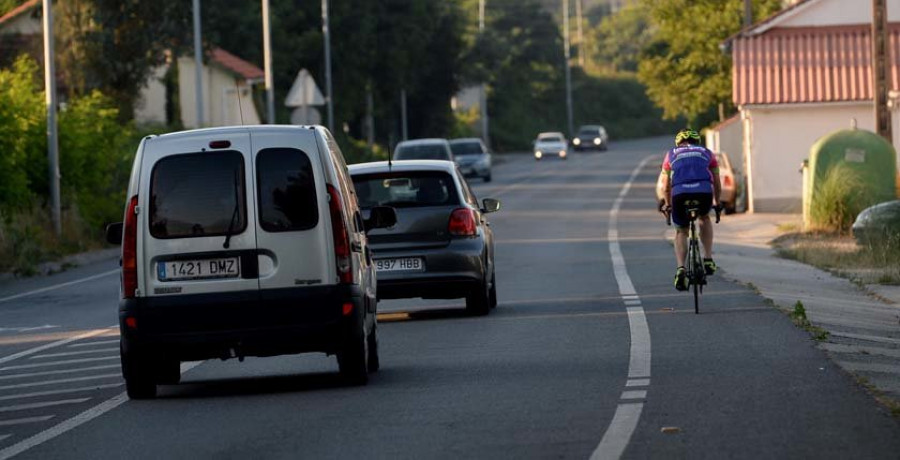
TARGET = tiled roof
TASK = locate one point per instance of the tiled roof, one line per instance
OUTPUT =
(19, 10)
(236, 64)
(810, 64)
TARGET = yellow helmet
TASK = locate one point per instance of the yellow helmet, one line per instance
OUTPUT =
(688, 135)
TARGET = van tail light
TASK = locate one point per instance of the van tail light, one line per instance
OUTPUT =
(462, 222)
(340, 237)
(129, 250)
(727, 181)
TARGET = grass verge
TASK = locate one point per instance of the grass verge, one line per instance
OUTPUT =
(842, 256)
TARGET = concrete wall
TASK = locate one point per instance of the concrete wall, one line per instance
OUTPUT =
(778, 138)
(220, 103)
(727, 137)
(151, 105)
(838, 12)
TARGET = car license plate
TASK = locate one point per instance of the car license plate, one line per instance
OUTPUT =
(407, 264)
(174, 270)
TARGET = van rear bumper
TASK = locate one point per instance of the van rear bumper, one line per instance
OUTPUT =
(247, 323)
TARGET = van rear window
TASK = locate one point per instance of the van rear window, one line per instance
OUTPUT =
(198, 195)
(287, 190)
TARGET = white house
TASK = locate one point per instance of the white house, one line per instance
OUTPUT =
(797, 76)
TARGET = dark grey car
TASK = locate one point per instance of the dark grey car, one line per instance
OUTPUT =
(442, 246)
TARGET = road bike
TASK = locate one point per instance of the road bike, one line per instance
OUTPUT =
(694, 270)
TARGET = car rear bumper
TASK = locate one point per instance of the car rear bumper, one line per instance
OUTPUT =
(247, 323)
(450, 272)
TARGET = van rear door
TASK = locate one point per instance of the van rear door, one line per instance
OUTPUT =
(293, 231)
(195, 215)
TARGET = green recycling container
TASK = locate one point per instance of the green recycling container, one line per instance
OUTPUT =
(869, 155)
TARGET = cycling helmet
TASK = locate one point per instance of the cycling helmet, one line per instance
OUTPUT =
(687, 135)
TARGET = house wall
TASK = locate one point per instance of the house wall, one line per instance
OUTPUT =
(838, 12)
(26, 24)
(151, 105)
(777, 139)
(727, 137)
(219, 89)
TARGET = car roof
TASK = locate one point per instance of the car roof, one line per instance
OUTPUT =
(583, 127)
(551, 134)
(403, 166)
(425, 141)
(460, 140)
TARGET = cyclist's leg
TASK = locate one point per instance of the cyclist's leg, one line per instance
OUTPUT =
(706, 235)
(680, 219)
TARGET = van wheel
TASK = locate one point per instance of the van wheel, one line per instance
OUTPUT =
(478, 303)
(138, 373)
(353, 359)
(374, 361)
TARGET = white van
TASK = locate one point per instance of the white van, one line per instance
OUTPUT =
(243, 241)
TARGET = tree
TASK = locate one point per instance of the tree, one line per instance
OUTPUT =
(622, 37)
(685, 72)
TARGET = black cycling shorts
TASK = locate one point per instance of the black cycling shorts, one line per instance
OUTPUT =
(681, 203)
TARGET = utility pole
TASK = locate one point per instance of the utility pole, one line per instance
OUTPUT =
(580, 33)
(567, 53)
(748, 13)
(198, 65)
(370, 116)
(326, 35)
(485, 132)
(879, 69)
(403, 126)
(267, 56)
(52, 142)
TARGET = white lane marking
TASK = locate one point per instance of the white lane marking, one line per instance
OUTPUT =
(638, 383)
(77, 353)
(42, 404)
(26, 329)
(631, 297)
(625, 420)
(64, 371)
(4, 436)
(22, 421)
(619, 433)
(57, 381)
(59, 363)
(48, 346)
(639, 363)
(93, 344)
(60, 392)
(75, 421)
(634, 394)
(632, 302)
(58, 286)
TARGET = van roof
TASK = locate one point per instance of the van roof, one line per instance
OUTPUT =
(225, 130)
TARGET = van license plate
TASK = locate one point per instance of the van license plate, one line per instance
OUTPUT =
(403, 264)
(174, 270)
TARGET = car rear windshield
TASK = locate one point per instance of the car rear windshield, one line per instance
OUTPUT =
(287, 190)
(198, 194)
(589, 131)
(466, 148)
(421, 152)
(406, 190)
(550, 139)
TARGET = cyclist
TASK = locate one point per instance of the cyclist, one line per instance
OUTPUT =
(690, 173)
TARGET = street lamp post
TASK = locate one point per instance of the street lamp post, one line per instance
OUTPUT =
(267, 56)
(485, 132)
(198, 65)
(567, 53)
(326, 35)
(52, 142)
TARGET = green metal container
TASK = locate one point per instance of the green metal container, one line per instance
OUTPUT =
(854, 152)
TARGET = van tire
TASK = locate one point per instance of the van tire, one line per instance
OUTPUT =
(374, 361)
(138, 373)
(353, 358)
(478, 303)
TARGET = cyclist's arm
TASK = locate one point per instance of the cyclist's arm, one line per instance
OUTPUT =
(717, 188)
(667, 187)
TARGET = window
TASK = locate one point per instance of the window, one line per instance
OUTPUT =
(287, 190)
(422, 152)
(406, 190)
(198, 194)
(466, 148)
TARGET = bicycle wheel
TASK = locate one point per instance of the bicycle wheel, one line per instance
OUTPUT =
(696, 273)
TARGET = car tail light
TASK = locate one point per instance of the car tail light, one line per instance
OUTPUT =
(339, 234)
(129, 250)
(726, 181)
(462, 222)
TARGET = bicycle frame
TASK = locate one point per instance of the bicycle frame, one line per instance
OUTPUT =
(694, 270)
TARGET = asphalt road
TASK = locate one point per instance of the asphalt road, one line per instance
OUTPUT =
(590, 351)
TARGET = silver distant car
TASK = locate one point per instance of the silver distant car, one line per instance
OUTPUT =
(472, 156)
(423, 149)
(552, 144)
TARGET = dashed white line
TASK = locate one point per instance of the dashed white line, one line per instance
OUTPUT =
(60, 392)
(48, 346)
(75, 421)
(625, 420)
(22, 421)
(43, 404)
(58, 381)
(637, 383)
(64, 371)
(59, 363)
(58, 286)
(93, 344)
(77, 353)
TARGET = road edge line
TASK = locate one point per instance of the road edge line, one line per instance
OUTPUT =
(58, 286)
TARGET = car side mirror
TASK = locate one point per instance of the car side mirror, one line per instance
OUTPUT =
(490, 205)
(381, 217)
(114, 233)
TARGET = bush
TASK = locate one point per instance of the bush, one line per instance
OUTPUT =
(838, 198)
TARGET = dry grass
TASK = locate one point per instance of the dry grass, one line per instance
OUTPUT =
(841, 255)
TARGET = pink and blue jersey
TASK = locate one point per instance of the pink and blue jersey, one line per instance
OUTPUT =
(690, 169)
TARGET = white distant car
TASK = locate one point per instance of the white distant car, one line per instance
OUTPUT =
(550, 144)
